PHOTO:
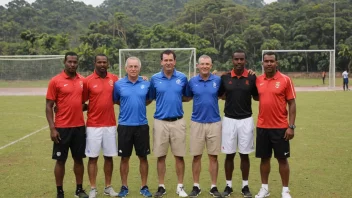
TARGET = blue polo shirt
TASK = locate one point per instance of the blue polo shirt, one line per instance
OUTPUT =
(205, 98)
(132, 97)
(168, 94)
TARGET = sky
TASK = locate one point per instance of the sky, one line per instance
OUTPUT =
(90, 2)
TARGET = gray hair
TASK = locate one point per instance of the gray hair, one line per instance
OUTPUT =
(134, 58)
(204, 57)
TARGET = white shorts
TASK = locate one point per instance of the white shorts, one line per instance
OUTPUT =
(237, 133)
(101, 137)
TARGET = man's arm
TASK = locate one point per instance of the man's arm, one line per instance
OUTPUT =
(54, 135)
(186, 99)
(147, 102)
(290, 133)
(256, 98)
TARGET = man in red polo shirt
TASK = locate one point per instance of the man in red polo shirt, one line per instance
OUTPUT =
(68, 130)
(276, 91)
(101, 122)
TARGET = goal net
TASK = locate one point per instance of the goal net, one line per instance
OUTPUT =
(150, 59)
(30, 67)
(306, 67)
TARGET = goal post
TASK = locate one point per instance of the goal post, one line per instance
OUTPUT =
(150, 59)
(331, 62)
(30, 67)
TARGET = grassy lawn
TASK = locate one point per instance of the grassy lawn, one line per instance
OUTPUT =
(320, 163)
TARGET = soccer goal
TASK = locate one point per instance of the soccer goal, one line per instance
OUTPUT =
(30, 67)
(150, 59)
(306, 67)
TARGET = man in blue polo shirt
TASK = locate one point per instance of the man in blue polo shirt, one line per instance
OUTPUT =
(168, 89)
(131, 93)
(205, 124)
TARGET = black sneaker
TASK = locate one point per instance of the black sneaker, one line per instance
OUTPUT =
(214, 192)
(80, 193)
(161, 191)
(195, 192)
(61, 195)
(227, 192)
(246, 192)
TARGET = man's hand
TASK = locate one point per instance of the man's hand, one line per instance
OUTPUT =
(289, 134)
(55, 109)
(55, 136)
(144, 78)
(214, 72)
(251, 72)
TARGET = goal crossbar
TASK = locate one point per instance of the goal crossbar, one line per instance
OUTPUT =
(332, 65)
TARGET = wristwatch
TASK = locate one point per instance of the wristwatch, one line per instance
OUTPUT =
(292, 126)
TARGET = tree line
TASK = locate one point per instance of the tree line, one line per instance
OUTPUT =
(214, 27)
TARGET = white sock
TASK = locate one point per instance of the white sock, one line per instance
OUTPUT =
(229, 183)
(265, 186)
(244, 183)
(179, 185)
(162, 185)
(212, 186)
(285, 189)
(196, 184)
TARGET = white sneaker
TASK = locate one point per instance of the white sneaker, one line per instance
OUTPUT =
(93, 193)
(262, 193)
(110, 192)
(286, 194)
(181, 192)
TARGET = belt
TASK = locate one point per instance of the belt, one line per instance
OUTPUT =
(172, 119)
(238, 117)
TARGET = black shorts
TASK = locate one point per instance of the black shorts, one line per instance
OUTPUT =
(269, 140)
(133, 135)
(71, 138)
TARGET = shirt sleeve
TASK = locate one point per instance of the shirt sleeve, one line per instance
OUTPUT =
(290, 90)
(222, 87)
(51, 94)
(254, 91)
(152, 90)
(85, 95)
(189, 92)
(116, 93)
(185, 80)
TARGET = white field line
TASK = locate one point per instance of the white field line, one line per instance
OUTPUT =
(26, 136)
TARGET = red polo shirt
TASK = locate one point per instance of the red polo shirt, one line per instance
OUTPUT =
(67, 94)
(99, 93)
(273, 96)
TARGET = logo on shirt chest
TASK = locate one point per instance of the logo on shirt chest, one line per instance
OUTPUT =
(142, 86)
(178, 81)
(277, 84)
(111, 83)
(247, 82)
(81, 84)
(214, 84)
(230, 82)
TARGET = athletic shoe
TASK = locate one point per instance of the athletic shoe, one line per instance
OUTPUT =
(195, 192)
(123, 192)
(227, 192)
(161, 191)
(181, 192)
(286, 194)
(145, 192)
(81, 194)
(214, 192)
(109, 191)
(246, 192)
(60, 195)
(262, 193)
(93, 193)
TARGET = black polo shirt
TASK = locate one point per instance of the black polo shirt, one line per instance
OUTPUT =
(239, 91)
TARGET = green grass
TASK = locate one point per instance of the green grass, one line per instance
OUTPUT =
(320, 163)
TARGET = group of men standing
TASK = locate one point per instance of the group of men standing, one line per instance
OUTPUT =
(69, 91)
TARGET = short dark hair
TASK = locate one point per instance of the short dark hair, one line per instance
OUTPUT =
(239, 51)
(270, 54)
(70, 54)
(168, 52)
(95, 57)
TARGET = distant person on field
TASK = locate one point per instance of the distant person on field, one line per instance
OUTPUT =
(101, 123)
(323, 75)
(345, 80)
(205, 127)
(131, 93)
(67, 131)
(168, 88)
(274, 131)
(239, 87)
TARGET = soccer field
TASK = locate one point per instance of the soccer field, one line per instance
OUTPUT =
(320, 164)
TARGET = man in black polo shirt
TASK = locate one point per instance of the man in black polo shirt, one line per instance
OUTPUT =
(237, 126)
